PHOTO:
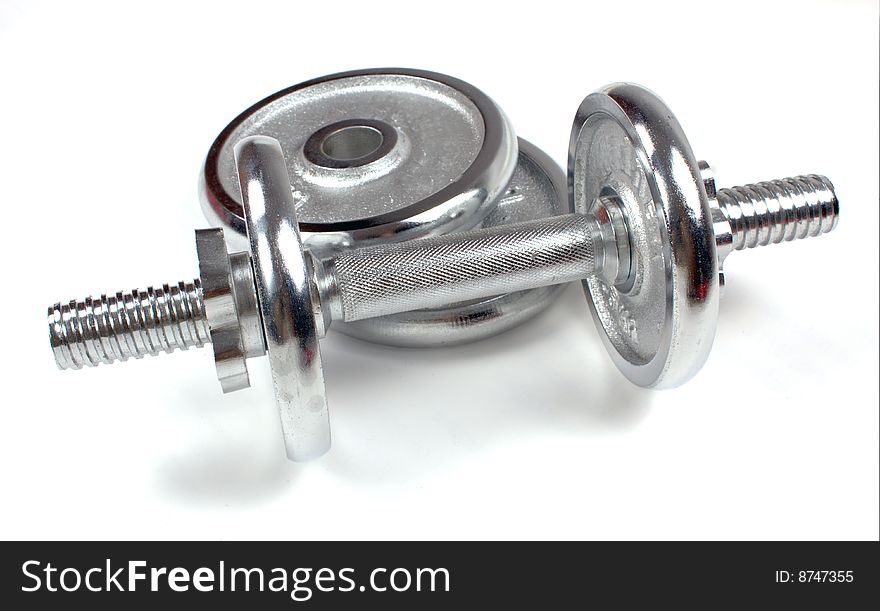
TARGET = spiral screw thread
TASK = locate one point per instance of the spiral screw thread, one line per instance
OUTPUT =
(779, 210)
(125, 325)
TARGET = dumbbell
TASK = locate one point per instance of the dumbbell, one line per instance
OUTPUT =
(648, 239)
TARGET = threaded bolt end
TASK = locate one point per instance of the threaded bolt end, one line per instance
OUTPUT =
(779, 210)
(126, 325)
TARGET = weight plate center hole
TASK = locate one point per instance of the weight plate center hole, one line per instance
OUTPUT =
(351, 143)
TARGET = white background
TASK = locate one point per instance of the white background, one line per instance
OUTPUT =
(107, 114)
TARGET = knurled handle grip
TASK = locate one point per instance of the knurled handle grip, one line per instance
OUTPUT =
(434, 272)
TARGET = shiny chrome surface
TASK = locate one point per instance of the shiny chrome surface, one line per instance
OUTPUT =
(450, 326)
(655, 228)
(779, 210)
(536, 191)
(431, 272)
(128, 324)
(658, 327)
(250, 324)
(446, 154)
(659, 320)
(390, 129)
(222, 311)
(283, 280)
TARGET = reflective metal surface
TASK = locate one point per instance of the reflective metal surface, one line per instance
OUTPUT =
(282, 276)
(221, 309)
(390, 278)
(659, 320)
(244, 291)
(433, 155)
(659, 325)
(392, 125)
(649, 241)
(128, 324)
(779, 210)
(536, 191)
(467, 322)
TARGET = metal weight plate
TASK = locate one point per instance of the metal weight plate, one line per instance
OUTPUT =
(281, 276)
(377, 156)
(374, 156)
(537, 190)
(627, 144)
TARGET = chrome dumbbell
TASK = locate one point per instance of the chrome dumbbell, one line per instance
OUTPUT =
(648, 240)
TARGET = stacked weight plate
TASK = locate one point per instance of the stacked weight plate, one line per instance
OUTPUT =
(379, 156)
